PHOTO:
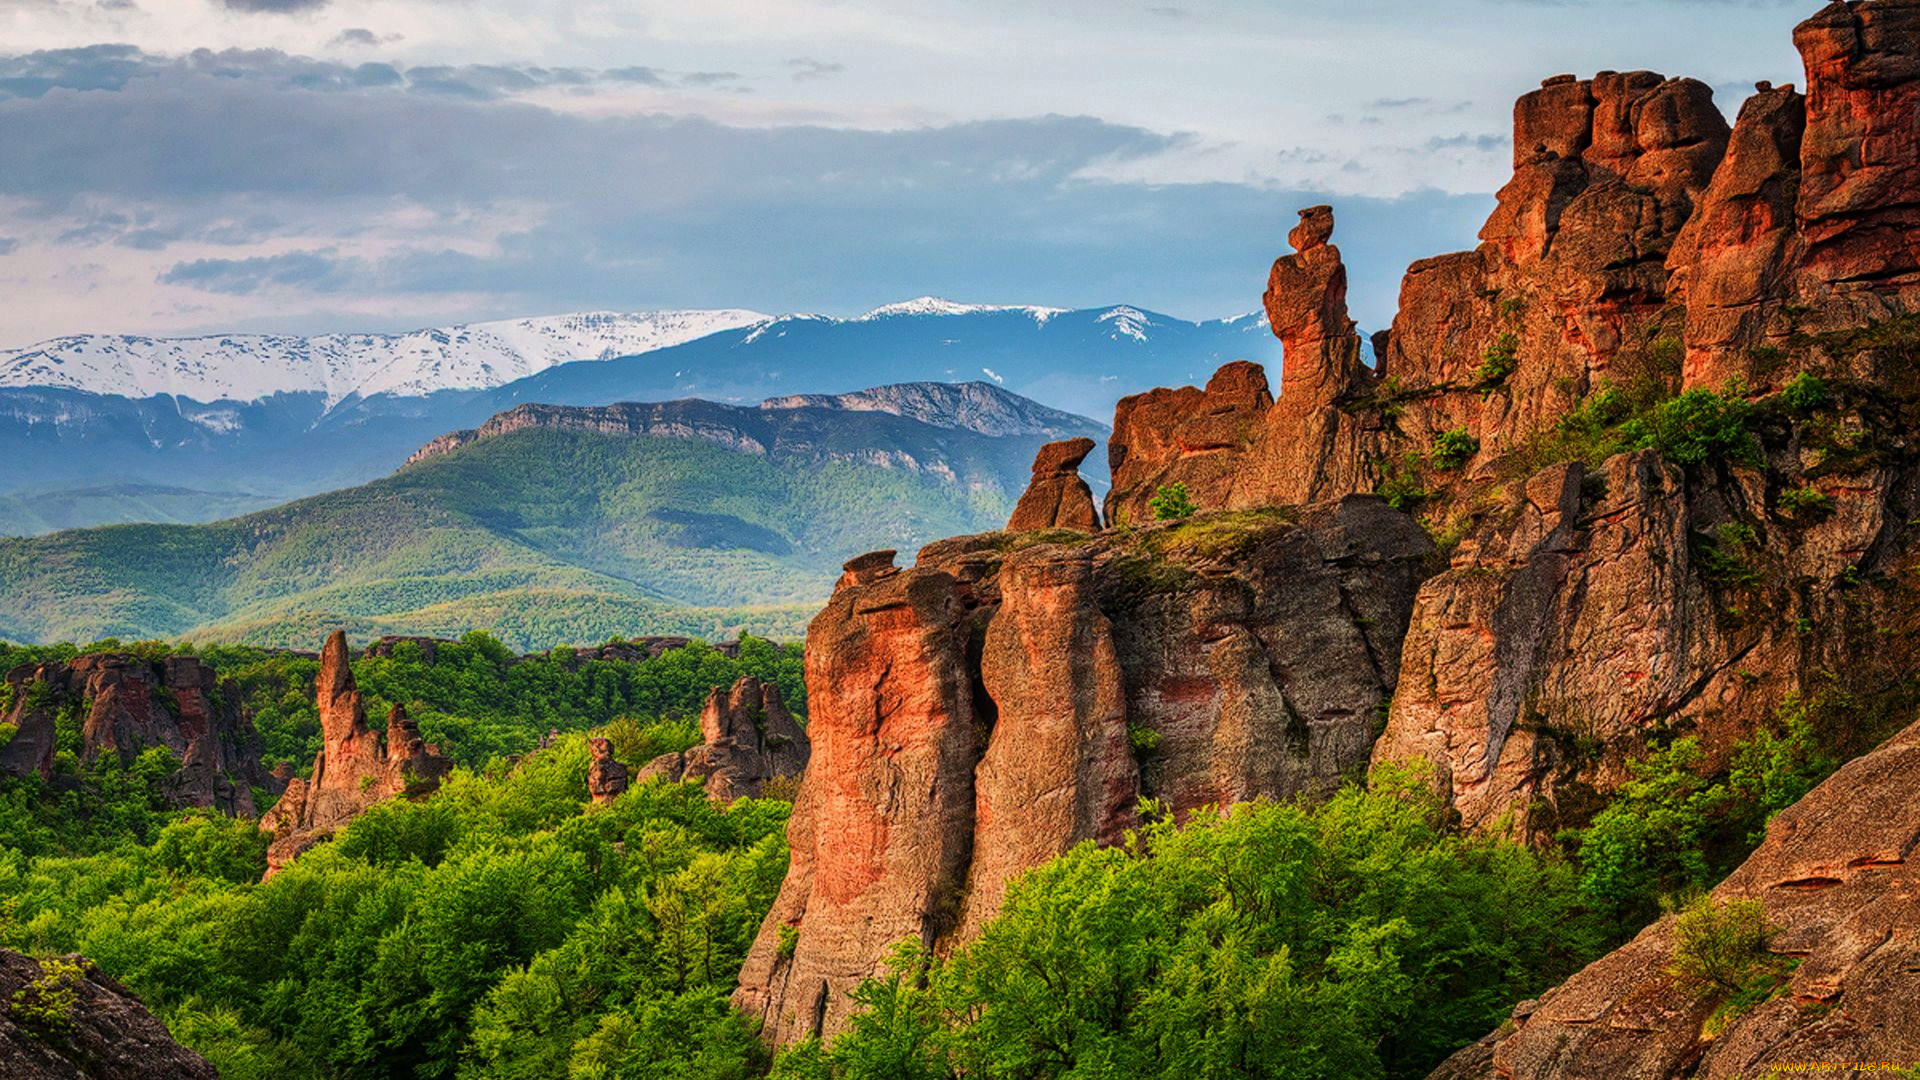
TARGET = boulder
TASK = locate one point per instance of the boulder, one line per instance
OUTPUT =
(1056, 497)
(107, 1034)
(606, 778)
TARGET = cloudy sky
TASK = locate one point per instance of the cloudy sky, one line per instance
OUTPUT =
(171, 166)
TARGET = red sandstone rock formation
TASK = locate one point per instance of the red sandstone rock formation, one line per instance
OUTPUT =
(747, 738)
(1056, 497)
(356, 767)
(1195, 437)
(130, 705)
(979, 712)
(110, 1035)
(1836, 876)
(606, 778)
(968, 710)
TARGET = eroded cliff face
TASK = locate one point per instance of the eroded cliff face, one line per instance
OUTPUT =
(1010, 695)
(1590, 594)
(356, 767)
(1837, 882)
(123, 705)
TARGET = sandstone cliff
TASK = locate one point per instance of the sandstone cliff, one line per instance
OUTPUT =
(123, 705)
(1010, 695)
(747, 739)
(1659, 426)
(356, 767)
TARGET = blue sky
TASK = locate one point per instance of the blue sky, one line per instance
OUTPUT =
(182, 166)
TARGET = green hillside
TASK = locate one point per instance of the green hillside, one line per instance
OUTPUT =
(539, 537)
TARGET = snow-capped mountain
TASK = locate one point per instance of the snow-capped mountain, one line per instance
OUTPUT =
(933, 305)
(249, 367)
(269, 418)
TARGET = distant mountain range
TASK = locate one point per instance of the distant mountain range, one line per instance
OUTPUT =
(249, 367)
(553, 524)
(100, 429)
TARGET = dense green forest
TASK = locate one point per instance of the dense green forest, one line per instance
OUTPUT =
(537, 537)
(504, 927)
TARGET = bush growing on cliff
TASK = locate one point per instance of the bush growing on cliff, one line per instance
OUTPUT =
(1362, 938)
(1722, 951)
(1697, 427)
(1172, 502)
(1452, 449)
(1674, 830)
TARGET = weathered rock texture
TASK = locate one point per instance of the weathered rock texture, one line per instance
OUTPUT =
(1006, 697)
(111, 1036)
(1836, 876)
(356, 767)
(124, 705)
(1056, 497)
(1003, 699)
(747, 738)
(1604, 603)
(606, 778)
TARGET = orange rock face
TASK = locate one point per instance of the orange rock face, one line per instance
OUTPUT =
(1056, 497)
(985, 710)
(1007, 697)
(747, 738)
(356, 767)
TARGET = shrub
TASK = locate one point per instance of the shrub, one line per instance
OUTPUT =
(1805, 503)
(1805, 393)
(1697, 427)
(1400, 483)
(1498, 360)
(45, 1005)
(1720, 952)
(1171, 502)
(1452, 449)
(1651, 839)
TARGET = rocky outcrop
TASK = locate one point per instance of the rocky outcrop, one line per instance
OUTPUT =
(1233, 444)
(105, 1034)
(1003, 699)
(970, 711)
(356, 767)
(1837, 880)
(1056, 497)
(606, 778)
(124, 705)
(747, 738)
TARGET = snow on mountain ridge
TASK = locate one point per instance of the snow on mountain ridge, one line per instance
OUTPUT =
(934, 305)
(248, 367)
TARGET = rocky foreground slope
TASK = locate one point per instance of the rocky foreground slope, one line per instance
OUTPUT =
(62, 1019)
(1659, 432)
(1836, 880)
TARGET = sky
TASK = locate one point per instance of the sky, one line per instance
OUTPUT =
(305, 166)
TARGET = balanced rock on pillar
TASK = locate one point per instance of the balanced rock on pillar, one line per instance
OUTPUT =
(1056, 497)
